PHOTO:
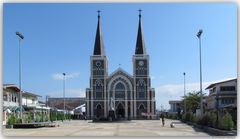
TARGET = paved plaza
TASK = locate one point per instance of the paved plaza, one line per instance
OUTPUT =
(125, 128)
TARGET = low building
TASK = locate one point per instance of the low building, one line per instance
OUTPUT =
(175, 107)
(223, 97)
(79, 112)
(33, 109)
(70, 102)
(10, 100)
(73, 105)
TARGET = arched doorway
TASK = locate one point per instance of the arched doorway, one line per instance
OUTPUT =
(141, 111)
(120, 111)
(99, 111)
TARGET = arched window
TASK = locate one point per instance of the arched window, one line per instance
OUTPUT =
(141, 89)
(98, 89)
(120, 91)
(141, 107)
(98, 68)
(141, 111)
(141, 70)
(99, 111)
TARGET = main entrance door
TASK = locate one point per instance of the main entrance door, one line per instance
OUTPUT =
(120, 111)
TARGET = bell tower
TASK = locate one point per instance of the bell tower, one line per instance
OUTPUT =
(99, 73)
(141, 74)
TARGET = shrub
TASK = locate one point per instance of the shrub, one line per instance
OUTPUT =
(46, 118)
(184, 117)
(193, 118)
(38, 117)
(11, 120)
(188, 116)
(204, 120)
(226, 122)
(28, 117)
(53, 115)
(17, 120)
(212, 119)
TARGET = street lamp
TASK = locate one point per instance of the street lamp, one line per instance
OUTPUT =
(20, 37)
(199, 38)
(184, 92)
(64, 78)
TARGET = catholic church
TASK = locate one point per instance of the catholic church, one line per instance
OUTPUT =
(120, 95)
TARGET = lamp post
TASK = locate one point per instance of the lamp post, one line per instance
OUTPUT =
(64, 78)
(199, 38)
(20, 37)
(184, 86)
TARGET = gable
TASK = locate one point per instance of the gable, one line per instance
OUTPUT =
(120, 72)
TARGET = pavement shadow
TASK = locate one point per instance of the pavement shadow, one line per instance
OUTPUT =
(197, 129)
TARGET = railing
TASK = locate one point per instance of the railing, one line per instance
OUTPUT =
(7, 103)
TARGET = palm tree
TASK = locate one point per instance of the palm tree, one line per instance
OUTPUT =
(192, 101)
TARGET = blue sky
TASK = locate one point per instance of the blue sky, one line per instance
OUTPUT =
(60, 38)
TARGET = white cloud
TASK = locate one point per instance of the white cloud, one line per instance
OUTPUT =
(59, 76)
(164, 93)
(176, 89)
(76, 92)
(72, 92)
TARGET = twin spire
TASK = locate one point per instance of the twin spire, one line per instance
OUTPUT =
(140, 45)
(99, 46)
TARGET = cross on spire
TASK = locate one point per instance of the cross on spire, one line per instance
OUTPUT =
(98, 13)
(140, 11)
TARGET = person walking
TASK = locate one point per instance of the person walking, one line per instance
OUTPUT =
(163, 120)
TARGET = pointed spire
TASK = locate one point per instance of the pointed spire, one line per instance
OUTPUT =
(140, 45)
(99, 46)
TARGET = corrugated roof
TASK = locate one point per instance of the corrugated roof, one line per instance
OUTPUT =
(13, 86)
(31, 94)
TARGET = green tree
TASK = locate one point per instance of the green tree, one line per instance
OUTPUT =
(11, 119)
(204, 120)
(213, 119)
(226, 122)
(53, 115)
(192, 101)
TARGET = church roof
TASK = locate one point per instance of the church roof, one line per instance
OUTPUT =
(140, 45)
(99, 46)
(120, 71)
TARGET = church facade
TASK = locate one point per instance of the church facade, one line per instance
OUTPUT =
(120, 95)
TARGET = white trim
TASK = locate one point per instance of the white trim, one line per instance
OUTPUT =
(121, 76)
(125, 88)
(126, 93)
(100, 105)
(119, 70)
(99, 83)
(143, 106)
(120, 102)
